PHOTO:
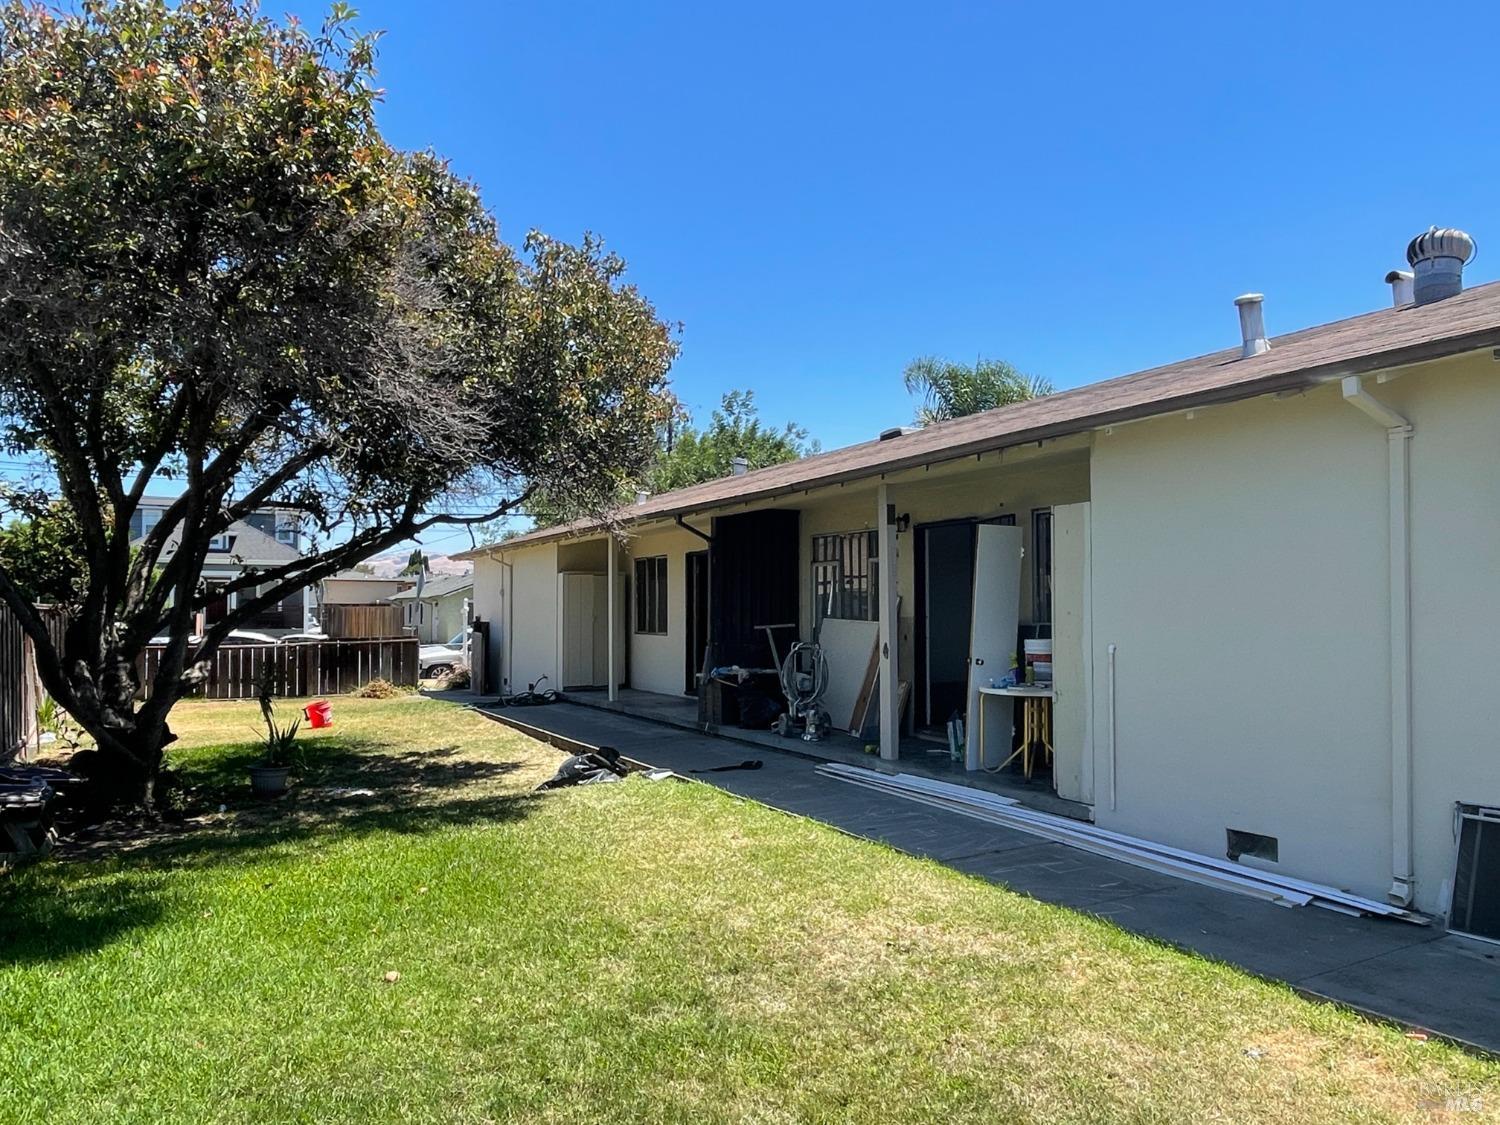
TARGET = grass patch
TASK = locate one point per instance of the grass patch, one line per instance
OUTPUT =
(641, 951)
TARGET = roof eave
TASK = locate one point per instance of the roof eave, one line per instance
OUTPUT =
(1300, 378)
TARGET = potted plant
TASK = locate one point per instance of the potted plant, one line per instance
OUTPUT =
(268, 777)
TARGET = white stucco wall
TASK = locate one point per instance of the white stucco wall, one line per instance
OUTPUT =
(1455, 479)
(1240, 566)
(658, 662)
(519, 602)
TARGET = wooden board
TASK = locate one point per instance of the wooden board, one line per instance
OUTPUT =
(869, 726)
(847, 646)
(867, 692)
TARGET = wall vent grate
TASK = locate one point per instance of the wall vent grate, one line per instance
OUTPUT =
(1254, 844)
(1476, 880)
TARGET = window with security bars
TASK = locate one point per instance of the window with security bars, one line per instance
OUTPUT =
(845, 577)
(651, 594)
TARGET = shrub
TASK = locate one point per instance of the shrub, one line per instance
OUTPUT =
(457, 678)
(381, 689)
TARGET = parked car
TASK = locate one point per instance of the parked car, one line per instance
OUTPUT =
(301, 638)
(233, 637)
(439, 660)
(246, 637)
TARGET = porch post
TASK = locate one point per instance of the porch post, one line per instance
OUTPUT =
(306, 608)
(614, 680)
(890, 631)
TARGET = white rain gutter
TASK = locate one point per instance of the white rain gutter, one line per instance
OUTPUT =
(1398, 434)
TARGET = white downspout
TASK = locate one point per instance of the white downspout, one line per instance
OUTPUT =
(1398, 434)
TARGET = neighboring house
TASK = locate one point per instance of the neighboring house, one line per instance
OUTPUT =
(355, 587)
(1268, 575)
(441, 611)
(268, 537)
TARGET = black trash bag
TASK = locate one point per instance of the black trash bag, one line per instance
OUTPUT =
(587, 769)
(758, 709)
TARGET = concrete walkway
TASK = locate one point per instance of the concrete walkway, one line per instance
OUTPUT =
(1414, 975)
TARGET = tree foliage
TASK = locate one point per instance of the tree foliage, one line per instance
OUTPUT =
(42, 554)
(690, 455)
(953, 390)
(686, 455)
(214, 269)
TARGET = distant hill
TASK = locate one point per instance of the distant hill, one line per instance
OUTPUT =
(388, 566)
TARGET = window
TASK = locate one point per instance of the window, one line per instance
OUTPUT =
(219, 542)
(845, 577)
(1041, 566)
(286, 528)
(651, 594)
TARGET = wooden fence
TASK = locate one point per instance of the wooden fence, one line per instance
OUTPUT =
(363, 622)
(301, 669)
(21, 691)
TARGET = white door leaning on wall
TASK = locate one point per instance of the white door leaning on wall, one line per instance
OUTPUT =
(992, 639)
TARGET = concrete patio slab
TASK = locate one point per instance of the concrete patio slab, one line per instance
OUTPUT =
(1413, 975)
(1057, 873)
(1454, 982)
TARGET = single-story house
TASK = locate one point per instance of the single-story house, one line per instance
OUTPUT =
(440, 611)
(1268, 576)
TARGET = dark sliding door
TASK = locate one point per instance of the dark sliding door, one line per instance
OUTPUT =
(697, 618)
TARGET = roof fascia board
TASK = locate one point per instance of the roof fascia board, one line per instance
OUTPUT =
(1298, 379)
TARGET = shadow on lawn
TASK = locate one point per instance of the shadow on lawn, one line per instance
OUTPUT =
(352, 786)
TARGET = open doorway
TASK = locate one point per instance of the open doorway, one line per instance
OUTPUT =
(696, 618)
(945, 606)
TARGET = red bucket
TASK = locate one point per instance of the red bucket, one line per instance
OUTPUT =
(319, 714)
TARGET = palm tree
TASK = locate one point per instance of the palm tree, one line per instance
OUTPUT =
(952, 390)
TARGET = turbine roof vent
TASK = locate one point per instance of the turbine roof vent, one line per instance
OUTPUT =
(1437, 258)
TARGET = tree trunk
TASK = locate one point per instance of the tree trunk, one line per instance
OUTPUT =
(130, 745)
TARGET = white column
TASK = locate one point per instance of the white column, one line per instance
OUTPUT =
(306, 607)
(890, 631)
(614, 679)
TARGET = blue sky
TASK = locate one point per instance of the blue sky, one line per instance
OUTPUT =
(821, 192)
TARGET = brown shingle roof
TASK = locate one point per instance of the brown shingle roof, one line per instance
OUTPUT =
(1373, 341)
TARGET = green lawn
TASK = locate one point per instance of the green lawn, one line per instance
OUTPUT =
(643, 951)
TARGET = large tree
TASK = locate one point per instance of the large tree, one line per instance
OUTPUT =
(213, 269)
(953, 390)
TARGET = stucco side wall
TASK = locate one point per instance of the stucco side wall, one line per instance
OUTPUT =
(519, 603)
(1455, 529)
(1239, 566)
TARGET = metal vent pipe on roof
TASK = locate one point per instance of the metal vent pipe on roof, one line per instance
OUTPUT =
(1252, 325)
(1437, 259)
(739, 466)
(1400, 282)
